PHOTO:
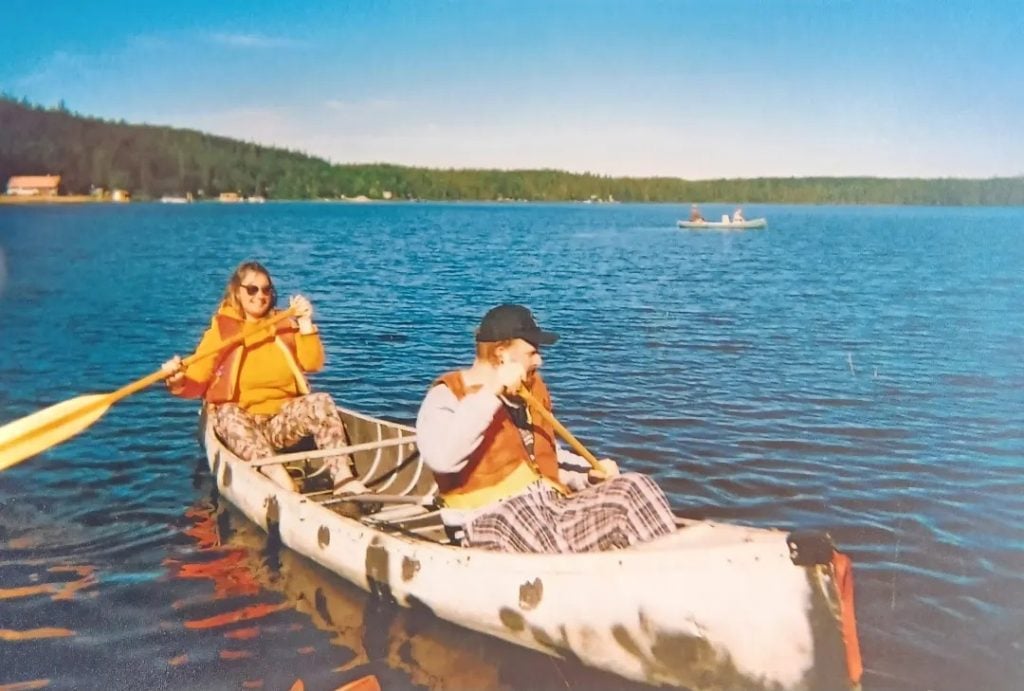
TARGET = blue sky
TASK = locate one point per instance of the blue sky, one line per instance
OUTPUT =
(720, 88)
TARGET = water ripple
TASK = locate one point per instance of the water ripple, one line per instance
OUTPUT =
(849, 369)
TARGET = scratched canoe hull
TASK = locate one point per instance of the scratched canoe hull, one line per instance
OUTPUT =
(712, 606)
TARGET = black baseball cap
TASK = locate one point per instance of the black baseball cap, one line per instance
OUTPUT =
(505, 322)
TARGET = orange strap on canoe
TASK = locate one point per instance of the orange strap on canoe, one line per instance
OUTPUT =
(367, 683)
(844, 583)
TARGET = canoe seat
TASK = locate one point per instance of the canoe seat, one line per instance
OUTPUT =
(307, 473)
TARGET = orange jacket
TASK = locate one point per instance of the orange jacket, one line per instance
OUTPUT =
(502, 451)
(261, 374)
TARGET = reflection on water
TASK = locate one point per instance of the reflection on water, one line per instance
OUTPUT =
(253, 578)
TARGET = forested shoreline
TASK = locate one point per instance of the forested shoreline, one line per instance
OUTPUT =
(151, 161)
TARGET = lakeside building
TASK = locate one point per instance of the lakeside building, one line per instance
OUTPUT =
(45, 189)
(33, 185)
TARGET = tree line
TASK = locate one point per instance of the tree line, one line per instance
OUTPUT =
(151, 161)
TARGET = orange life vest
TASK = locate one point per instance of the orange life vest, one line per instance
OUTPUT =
(502, 451)
(223, 386)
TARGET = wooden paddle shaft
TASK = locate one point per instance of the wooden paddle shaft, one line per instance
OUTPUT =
(565, 434)
(249, 330)
(245, 333)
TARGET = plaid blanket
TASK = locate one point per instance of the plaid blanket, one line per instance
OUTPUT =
(621, 511)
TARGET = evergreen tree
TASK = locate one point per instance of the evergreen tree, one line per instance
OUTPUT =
(151, 161)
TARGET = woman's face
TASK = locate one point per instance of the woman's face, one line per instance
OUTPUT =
(255, 295)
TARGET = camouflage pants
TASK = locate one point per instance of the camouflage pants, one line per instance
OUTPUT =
(253, 437)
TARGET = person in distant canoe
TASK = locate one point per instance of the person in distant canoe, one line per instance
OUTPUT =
(504, 481)
(259, 398)
(737, 215)
(695, 214)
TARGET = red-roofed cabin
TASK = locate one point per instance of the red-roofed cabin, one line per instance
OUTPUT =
(33, 185)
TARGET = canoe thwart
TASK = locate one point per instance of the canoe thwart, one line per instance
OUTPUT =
(426, 500)
(339, 451)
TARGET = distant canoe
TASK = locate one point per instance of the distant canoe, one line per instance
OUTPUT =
(712, 225)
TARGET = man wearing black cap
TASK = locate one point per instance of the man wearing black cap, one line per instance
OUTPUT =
(505, 482)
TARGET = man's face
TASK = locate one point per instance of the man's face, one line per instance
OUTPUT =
(524, 353)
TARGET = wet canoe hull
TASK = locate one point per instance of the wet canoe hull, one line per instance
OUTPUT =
(711, 606)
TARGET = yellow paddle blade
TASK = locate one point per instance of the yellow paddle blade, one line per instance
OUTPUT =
(37, 432)
(24, 438)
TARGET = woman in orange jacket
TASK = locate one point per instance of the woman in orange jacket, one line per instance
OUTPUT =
(258, 396)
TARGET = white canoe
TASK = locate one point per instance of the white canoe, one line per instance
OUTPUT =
(712, 606)
(710, 225)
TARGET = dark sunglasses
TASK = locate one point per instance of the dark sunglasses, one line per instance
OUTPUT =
(252, 290)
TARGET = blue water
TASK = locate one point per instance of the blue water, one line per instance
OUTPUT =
(851, 369)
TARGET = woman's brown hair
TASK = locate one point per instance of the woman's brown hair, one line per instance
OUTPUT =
(230, 298)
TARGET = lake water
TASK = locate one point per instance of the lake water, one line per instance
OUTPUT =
(851, 369)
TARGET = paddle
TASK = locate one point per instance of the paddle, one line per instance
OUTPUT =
(33, 434)
(565, 434)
